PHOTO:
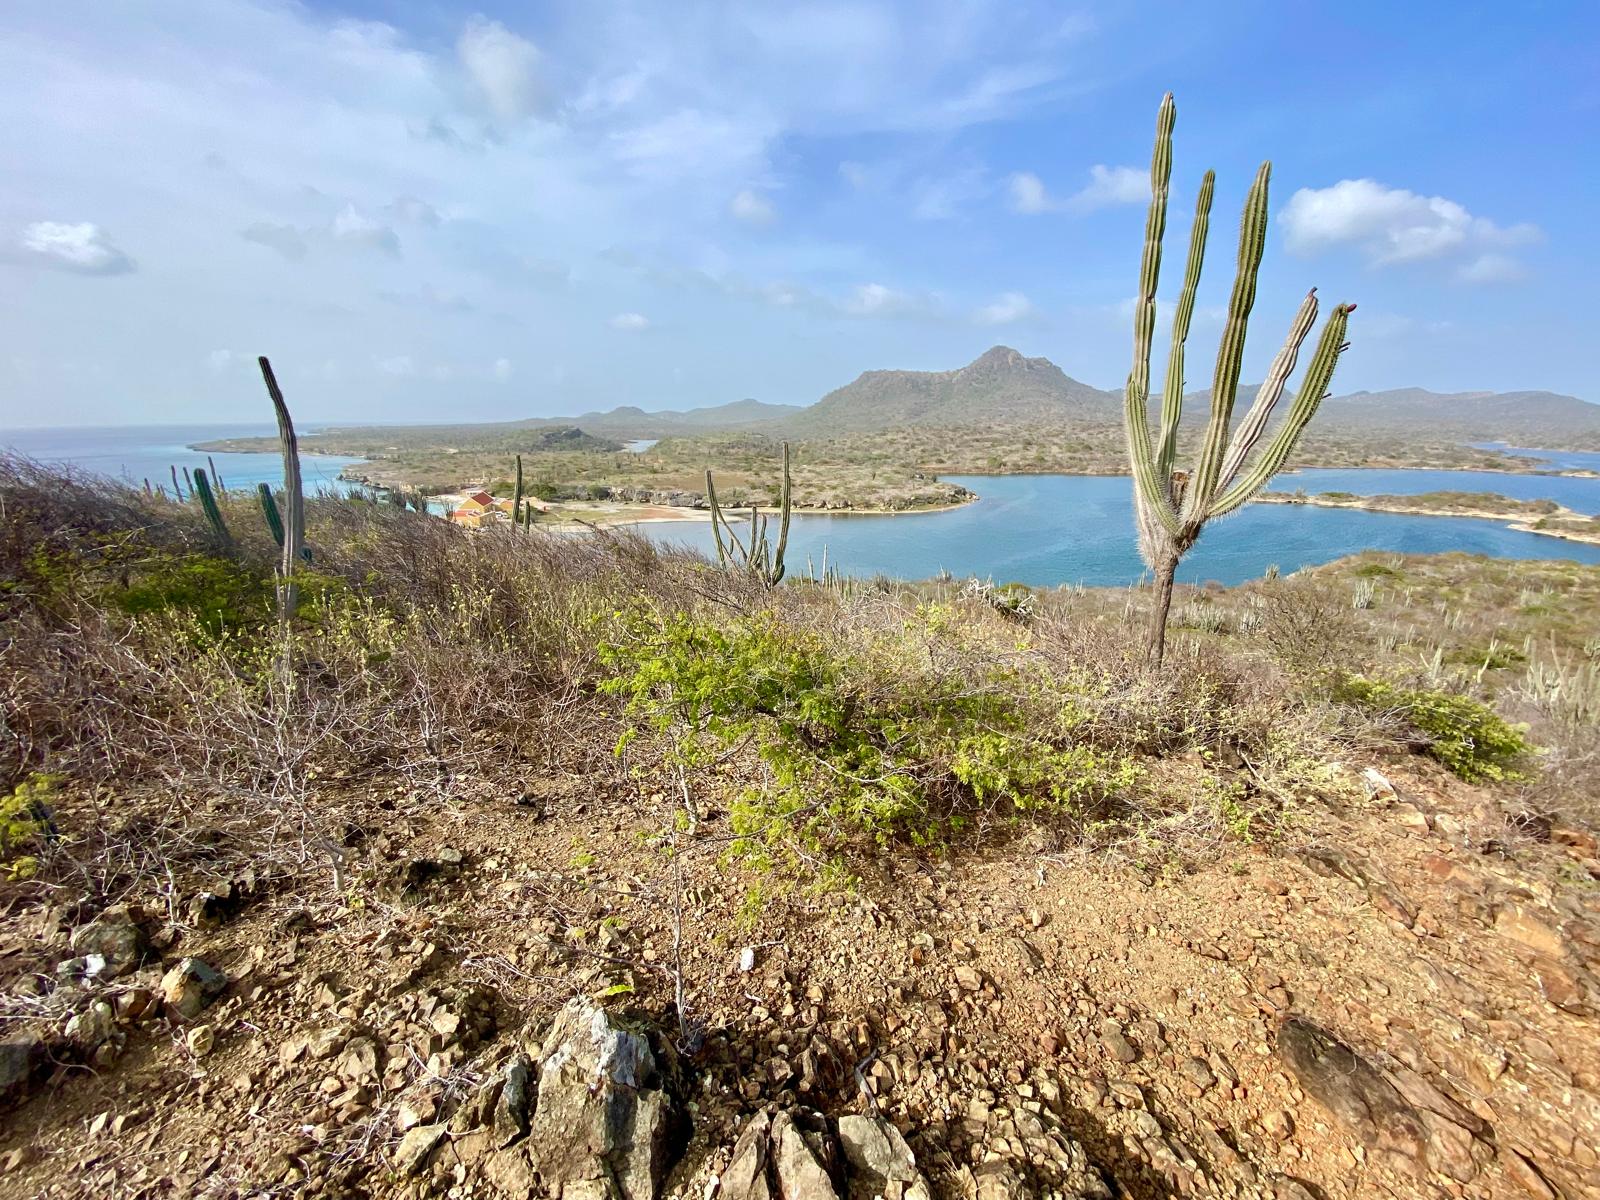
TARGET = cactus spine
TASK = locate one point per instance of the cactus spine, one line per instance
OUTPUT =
(294, 527)
(208, 504)
(759, 557)
(1172, 507)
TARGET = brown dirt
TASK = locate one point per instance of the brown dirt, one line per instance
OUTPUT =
(968, 993)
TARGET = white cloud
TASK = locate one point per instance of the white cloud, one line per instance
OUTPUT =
(1391, 225)
(399, 365)
(1028, 193)
(630, 322)
(1113, 185)
(752, 207)
(1009, 308)
(219, 360)
(1493, 268)
(82, 248)
(503, 66)
(357, 229)
(1107, 186)
(502, 369)
(285, 239)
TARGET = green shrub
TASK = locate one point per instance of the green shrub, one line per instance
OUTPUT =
(24, 822)
(1466, 736)
(853, 746)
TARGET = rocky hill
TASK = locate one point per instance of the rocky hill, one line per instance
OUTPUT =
(1000, 387)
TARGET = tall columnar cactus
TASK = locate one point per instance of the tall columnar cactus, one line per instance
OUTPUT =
(177, 489)
(294, 526)
(516, 500)
(759, 557)
(269, 510)
(208, 505)
(216, 476)
(1172, 507)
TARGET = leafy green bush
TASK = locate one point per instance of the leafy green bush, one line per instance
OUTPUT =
(24, 821)
(852, 746)
(1466, 736)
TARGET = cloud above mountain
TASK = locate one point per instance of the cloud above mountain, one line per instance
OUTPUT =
(1391, 226)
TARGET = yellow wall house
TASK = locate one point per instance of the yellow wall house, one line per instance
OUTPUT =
(472, 510)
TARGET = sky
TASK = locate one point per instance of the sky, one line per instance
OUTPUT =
(424, 210)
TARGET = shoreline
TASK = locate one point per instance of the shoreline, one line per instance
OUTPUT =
(1512, 520)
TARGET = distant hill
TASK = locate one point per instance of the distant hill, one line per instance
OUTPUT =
(1000, 387)
(1526, 418)
(631, 422)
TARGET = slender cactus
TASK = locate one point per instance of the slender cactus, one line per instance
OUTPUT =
(177, 490)
(516, 500)
(294, 528)
(1171, 506)
(208, 504)
(269, 510)
(216, 476)
(758, 557)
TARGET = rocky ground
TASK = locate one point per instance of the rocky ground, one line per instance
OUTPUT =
(513, 990)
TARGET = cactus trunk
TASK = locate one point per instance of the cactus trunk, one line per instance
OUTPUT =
(269, 510)
(1171, 507)
(516, 500)
(294, 526)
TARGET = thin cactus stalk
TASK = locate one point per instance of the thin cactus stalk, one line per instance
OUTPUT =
(216, 476)
(269, 510)
(177, 490)
(759, 556)
(1173, 506)
(189, 479)
(516, 500)
(294, 526)
(208, 505)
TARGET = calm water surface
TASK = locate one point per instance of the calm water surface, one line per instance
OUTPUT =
(135, 453)
(1053, 529)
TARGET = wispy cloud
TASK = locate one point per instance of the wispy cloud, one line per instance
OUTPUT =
(752, 207)
(83, 248)
(1107, 186)
(630, 322)
(1006, 310)
(1390, 226)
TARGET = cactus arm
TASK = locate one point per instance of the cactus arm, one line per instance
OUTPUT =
(1151, 491)
(269, 510)
(294, 529)
(716, 519)
(516, 502)
(208, 504)
(1172, 394)
(783, 523)
(1252, 243)
(1255, 422)
(1315, 386)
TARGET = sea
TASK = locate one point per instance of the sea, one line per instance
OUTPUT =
(135, 453)
(1041, 530)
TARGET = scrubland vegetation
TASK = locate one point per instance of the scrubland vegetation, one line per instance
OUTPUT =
(839, 720)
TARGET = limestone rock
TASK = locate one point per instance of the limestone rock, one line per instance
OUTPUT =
(516, 1098)
(188, 987)
(20, 1056)
(797, 1166)
(411, 1156)
(112, 944)
(746, 1175)
(601, 1114)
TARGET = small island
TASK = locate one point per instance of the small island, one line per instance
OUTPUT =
(1530, 516)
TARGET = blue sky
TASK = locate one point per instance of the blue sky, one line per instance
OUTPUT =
(462, 212)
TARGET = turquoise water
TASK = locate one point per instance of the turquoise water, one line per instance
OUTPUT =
(1580, 495)
(136, 453)
(1054, 529)
(1556, 460)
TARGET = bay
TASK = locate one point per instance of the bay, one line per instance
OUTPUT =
(1046, 530)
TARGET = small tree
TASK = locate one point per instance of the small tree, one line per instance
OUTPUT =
(1172, 507)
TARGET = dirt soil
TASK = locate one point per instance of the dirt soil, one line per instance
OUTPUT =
(1000, 1007)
